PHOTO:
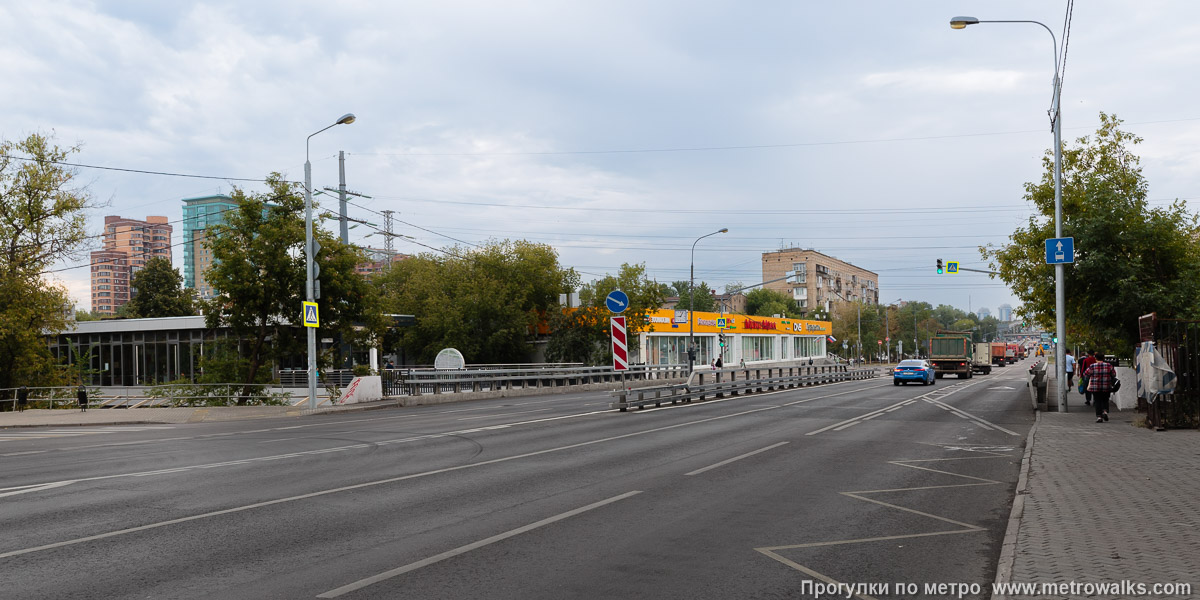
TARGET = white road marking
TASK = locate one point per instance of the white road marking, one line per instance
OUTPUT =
(736, 458)
(966, 415)
(362, 583)
(504, 414)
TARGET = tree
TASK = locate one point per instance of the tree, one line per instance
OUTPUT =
(41, 221)
(160, 292)
(259, 279)
(764, 303)
(487, 302)
(1130, 259)
(702, 293)
(582, 335)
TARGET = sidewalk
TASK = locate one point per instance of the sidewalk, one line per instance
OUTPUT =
(131, 416)
(1106, 503)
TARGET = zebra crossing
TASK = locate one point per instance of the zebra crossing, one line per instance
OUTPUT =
(13, 435)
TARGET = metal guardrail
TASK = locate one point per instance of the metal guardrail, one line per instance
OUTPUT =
(736, 381)
(166, 395)
(413, 382)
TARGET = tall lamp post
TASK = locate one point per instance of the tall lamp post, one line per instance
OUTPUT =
(1056, 123)
(692, 301)
(310, 276)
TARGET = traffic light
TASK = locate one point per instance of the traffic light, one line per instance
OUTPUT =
(1054, 339)
(941, 269)
(721, 339)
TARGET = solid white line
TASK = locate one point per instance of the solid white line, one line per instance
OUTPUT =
(736, 458)
(23, 453)
(967, 415)
(855, 420)
(278, 440)
(504, 414)
(847, 425)
(362, 583)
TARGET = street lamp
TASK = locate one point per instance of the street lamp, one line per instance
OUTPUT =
(309, 288)
(1056, 123)
(692, 301)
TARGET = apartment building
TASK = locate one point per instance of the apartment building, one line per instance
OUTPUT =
(199, 214)
(821, 281)
(377, 261)
(128, 245)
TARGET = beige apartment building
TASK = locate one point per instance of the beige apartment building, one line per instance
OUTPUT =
(128, 244)
(821, 280)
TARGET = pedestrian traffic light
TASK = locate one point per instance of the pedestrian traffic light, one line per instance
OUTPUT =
(941, 269)
(1054, 339)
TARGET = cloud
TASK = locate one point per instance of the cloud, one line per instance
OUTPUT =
(927, 81)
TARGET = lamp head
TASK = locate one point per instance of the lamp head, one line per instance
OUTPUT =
(724, 230)
(962, 22)
(345, 119)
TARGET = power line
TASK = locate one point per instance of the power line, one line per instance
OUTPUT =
(128, 170)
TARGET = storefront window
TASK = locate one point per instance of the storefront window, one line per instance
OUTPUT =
(757, 347)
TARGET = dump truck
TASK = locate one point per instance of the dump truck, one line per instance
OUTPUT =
(950, 352)
(998, 359)
(1010, 353)
(981, 358)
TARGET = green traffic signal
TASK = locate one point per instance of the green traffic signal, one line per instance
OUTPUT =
(940, 268)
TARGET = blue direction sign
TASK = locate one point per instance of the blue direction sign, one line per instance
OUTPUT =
(1060, 250)
(617, 301)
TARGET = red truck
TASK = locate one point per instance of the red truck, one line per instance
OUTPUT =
(1012, 353)
(998, 358)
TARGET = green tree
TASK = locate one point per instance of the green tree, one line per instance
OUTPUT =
(160, 292)
(582, 335)
(764, 303)
(487, 302)
(259, 279)
(41, 221)
(1130, 259)
(702, 293)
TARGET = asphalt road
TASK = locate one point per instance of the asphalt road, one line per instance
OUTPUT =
(543, 497)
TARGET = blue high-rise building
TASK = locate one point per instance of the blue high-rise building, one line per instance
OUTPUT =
(198, 215)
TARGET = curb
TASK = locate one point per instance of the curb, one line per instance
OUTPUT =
(1008, 549)
(99, 424)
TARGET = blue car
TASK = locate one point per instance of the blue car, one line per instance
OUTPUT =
(913, 370)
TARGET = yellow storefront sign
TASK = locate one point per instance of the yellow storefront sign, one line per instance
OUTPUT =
(665, 320)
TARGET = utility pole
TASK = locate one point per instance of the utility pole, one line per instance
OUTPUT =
(345, 231)
(387, 232)
(887, 334)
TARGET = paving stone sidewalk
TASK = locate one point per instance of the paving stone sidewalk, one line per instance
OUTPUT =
(1110, 502)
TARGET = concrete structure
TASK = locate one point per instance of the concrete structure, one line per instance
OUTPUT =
(822, 278)
(128, 244)
(199, 214)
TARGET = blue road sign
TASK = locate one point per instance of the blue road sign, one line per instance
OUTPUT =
(952, 266)
(310, 315)
(1060, 250)
(617, 301)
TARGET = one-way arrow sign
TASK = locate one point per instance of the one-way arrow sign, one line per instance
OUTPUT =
(1060, 250)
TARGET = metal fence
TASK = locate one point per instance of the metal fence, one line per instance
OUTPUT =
(417, 382)
(735, 381)
(167, 395)
(1179, 343)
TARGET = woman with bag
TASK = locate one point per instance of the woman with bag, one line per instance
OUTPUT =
(1102, 382)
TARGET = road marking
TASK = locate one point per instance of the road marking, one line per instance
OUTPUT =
(25, 489)
(943, 392)
(736, 458)
(362, 583)
(773, 551)
(966, 415)
(504, 415)
(24, 453)
(278, 440)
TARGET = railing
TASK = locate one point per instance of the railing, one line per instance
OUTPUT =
(414, 382)
(703, 385)
(166, 395)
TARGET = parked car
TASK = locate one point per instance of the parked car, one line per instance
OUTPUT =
(914, 370)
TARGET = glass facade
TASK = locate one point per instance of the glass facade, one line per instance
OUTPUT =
(758, 347)
(198, 215)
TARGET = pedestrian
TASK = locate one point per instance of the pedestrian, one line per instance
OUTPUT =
(22, 398)
(1088, 360)
(1100, 376)
(1069, 365)
(720, 363)
(81, 395)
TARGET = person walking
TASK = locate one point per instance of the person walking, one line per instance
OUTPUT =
(1088, 360)
(1100, 378)
(81, 395)
(22, 398)
(720, 362)
(1069, 366)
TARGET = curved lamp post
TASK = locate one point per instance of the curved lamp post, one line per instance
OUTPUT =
(692, 301)
(1059, 289)
(309, 291)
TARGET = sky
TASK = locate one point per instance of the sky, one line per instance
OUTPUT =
(616, 131)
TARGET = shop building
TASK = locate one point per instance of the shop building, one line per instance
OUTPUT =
(747, 338)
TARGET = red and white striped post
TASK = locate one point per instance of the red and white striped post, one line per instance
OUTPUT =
(619, 344)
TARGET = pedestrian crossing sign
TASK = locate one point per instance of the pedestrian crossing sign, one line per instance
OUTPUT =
(310, 315)
(952, 266)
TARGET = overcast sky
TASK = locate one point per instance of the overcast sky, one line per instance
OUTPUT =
(616, 131)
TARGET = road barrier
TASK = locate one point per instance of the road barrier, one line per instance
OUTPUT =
(417, 382)
(1037, 385)
(735, 381)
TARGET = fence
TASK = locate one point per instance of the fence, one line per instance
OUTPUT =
(188, 394)
(734, 381)
(1179, 343)
(416, 382)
